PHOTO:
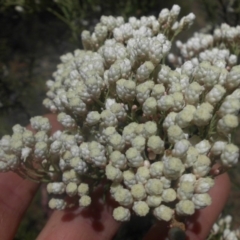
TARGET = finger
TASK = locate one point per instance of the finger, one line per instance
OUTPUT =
(158, 232)
(199, 225)
(95, 222)
(16, 195)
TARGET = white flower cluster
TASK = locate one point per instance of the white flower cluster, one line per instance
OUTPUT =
(222, 230)
(221, 48)
(151, 131)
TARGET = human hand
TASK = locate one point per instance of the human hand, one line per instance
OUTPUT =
(96, 221)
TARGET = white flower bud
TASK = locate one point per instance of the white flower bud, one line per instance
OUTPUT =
(230, 155)
(228, 219)
(41, 136)
(97, 154)
(28, 138)
(75, 151)
(215, 229)
(187, 21)
(86, 39)
(56, 146)
(156, 169)
(114, 73)
(118, 159)
(134, 157)
(108, 118)
(169, 120)
(117, 142)
(115, 186)
(113, 174)
(83, 189)
(235, 94)
(192, 93)
(158, 48)
(129, 178)
(84, 151)
(163, 15)
(93, 118)
(140, 208)
(143, 91)
(179, 101)
(173, 168)
(155, 144)
(84, 201)
(229, 106)
(175, 87)
(163, 213)
(56, 187)
(185, 190)
(185, 208)
(203, 147)
(165, 103)
(79, 165)
(66, 120)
(139, 143)
(175, 11)
(154, 187)
(188, 67)
(158, 91)
(18, 129)
(203, 114)
(169, 195)
(71, 189)
(218, 147)
(126, 90)
(121, 214)
(215, 94)
(108, 132)
(118, 110)
(58, 204)
(138, 191)
(207, 74)
(153, 201)
(142, 175)
(183, 119)
(144, 71)
(166, 182)
(70, 176)
(126, 68)
(77, 106)
(233, 78)
(41, 150)
(163, 74)
(40, 124)
(201, 200)
(150, 106)
(188, 177)
(180, 148)
(202, 166)
(175, 134)
(202, 185)
(68, 141)
(124, 197)
(227, 123)
(149, 129)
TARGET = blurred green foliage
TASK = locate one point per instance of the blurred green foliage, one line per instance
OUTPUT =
(222, 11)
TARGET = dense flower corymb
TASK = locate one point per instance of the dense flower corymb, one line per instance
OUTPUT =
(152, 132)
